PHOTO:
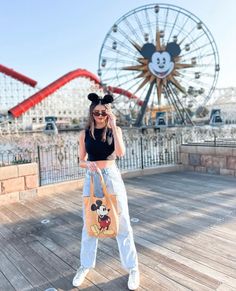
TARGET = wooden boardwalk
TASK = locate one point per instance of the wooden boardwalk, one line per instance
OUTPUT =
(185, 238)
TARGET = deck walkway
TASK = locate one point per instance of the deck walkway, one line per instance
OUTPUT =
(185, 237)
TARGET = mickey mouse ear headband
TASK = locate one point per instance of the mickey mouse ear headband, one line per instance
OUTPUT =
(97, 100)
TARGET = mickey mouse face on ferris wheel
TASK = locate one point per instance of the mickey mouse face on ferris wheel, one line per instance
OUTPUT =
(161, 63)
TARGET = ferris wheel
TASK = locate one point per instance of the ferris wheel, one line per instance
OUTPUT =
(160, 56)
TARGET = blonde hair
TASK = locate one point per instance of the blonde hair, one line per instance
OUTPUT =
(91, 123)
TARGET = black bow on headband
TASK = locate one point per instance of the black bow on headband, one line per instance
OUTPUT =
(96, 100)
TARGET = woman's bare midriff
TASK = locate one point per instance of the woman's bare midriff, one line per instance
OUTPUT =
(105, 164)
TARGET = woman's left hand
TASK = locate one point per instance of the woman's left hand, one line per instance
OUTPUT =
(111, 117)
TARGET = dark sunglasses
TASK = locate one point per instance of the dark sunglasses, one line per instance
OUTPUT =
(98, 113)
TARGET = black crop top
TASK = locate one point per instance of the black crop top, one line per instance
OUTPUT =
(97, 149)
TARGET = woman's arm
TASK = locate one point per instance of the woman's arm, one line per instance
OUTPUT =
(118, 140)
(82, 151)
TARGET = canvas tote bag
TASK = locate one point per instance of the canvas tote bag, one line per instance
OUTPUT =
(101, 215)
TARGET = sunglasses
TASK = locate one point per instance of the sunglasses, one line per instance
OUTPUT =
(98, 113)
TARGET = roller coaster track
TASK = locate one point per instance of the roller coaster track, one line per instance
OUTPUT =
(17, 76)
(33, 100)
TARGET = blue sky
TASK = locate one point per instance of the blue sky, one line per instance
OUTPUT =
(45, 39)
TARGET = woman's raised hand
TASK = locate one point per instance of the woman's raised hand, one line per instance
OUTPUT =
(111, 116)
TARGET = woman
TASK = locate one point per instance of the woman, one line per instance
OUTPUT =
(99, 145)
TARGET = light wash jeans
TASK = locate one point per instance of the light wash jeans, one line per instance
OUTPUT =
(127, 250)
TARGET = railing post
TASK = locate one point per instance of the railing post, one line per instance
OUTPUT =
(39, 165)
(214, 134)
(142, 162)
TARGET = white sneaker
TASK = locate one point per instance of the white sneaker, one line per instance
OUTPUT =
(134, 280)
(80, 276)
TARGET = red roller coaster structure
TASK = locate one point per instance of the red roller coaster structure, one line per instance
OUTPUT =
(33, 100)
(17, 76)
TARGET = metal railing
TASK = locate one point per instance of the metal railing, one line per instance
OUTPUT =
(58, 161)
(209, 136)
(147, 151)
(16, 157)
(58, 164)
(61, 163)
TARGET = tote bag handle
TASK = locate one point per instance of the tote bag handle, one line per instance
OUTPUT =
(104, 188)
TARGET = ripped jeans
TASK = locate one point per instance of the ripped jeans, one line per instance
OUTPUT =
(127, 250)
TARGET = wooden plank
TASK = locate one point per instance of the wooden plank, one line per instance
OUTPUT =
(20, 210)
(10, 215)
(4, 283)
(193, 253)
(69, 206)
(59, 251)
(39, 208)
(35, 260)
(5, 227)
(169, 271)
(149, 279)
(156, 182)
(167, 215)
(190, 248)
(215, 275)
(150, 269)
(55, 279)
(104, 275)
(172, 192)
(101, 274)
(20, 262)
(51, 258)
(205, 186)
(20, 225)
(49, 202)
(59, 247)
(72, 196)
(169, 268)
(16, 279)
(174, 230)
(183, 204)
(225, 287)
